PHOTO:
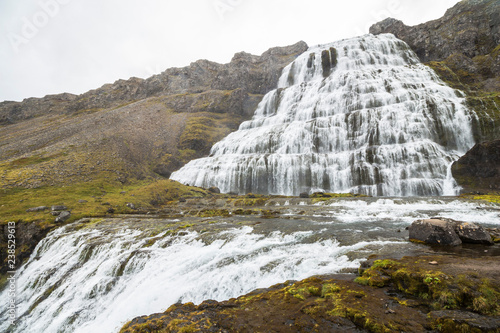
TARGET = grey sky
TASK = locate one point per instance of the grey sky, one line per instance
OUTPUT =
(55, 46)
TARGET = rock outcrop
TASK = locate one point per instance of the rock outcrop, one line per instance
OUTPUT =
(251, 74)
(442, 231)
(471, 28)
(479, 169)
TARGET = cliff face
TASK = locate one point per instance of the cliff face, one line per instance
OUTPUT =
(463, 48)
(252, 74)
(479, 169)
(134, 128)
(471, 28)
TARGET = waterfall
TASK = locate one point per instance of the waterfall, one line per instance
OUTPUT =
(360, 115)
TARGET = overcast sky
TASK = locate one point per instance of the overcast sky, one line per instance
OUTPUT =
(55, 46)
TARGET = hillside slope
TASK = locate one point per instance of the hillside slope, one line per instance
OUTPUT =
(135, 128)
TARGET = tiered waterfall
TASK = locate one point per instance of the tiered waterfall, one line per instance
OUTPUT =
(360, 115)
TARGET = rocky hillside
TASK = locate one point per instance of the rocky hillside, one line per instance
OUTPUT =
(463, 48)
(134, 128)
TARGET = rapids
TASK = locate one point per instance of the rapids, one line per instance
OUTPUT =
(94, 277)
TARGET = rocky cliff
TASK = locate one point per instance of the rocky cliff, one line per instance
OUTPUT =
(134, 128)
(479, 169)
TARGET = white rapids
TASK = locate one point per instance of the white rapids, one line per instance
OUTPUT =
(95, 279)
(360, 115)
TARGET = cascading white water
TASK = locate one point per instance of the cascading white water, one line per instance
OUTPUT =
(360, 115)
(96, 278)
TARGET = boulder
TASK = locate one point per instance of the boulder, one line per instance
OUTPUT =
(304, 195)
(58, 208)
(434, 231)
(446, 231)
(63, 216)
(36, 209)
(214, 189)
(473, 233)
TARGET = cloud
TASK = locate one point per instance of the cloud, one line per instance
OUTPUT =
(54, 46)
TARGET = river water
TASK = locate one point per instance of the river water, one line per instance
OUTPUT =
(94, 277)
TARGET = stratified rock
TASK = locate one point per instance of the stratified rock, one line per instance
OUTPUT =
(472, 233)
(470, 28)
(36, 209)
(250, 73)
(433, 231)
(479, 168)
(63, 216)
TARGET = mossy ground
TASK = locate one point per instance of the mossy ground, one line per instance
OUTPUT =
(495, 198)
(90, 199)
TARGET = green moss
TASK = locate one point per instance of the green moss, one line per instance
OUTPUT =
(214, 212)
(329, 289)
(488, 197)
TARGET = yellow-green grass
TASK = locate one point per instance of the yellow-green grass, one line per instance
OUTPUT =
(488, 197)
(90, 199)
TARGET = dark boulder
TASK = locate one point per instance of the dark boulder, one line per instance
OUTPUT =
(214, 189)
(445, 231)
(473, 233)
(304, 195)
(433, 231)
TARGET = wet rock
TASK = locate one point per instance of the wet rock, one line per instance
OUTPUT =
(304, 195)
(37, 209)
(446, 231)
(434, 231)
(63, 216)
(459, 320)
(495, 234)
(214, 189)
(473, 233)
(58, 208)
